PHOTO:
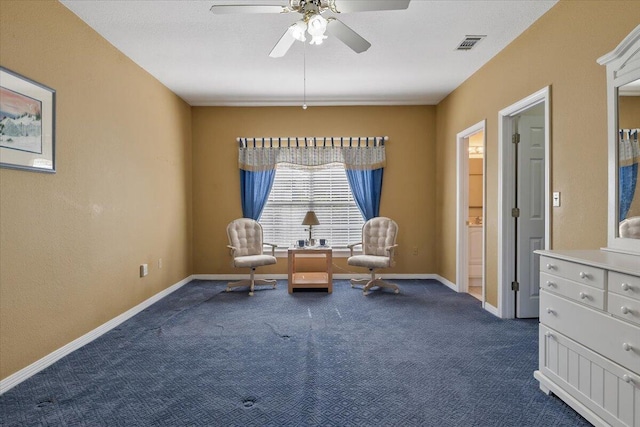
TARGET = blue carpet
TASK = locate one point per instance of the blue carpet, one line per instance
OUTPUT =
(204, 357)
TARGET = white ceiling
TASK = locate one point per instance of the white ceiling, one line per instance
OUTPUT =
(210, 59)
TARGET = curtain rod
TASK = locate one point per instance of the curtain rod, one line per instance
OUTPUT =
(340, 139)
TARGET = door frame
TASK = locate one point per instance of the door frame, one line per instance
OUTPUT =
(506, 196)
(462, 213)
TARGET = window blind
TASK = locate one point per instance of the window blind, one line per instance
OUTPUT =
(326, 191)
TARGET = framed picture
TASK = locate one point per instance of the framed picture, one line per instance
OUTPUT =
(27, 123)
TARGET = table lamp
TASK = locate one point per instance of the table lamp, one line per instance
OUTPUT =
(310, 219)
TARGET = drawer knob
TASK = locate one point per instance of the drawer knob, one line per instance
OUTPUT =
(550, 310)
(624, 310)
(627, 378)
(626, 346)
(550, 283)
(551, 267)
(625, 286)
(583, 295)
(548, 334)
(584, 275)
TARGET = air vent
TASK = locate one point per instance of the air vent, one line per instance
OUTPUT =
(469, 42)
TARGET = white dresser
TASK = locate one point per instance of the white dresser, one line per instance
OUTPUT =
(590, 333)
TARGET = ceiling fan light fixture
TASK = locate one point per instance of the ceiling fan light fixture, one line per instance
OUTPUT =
(297, 31)
(316, 28)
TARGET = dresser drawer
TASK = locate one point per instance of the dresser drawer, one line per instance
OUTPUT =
(624, 284)
(608, 389)
(581, 273)
(624, 308)
(576, 291)
(604, 334)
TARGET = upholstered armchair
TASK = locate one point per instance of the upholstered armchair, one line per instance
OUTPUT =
(246, 245)
(630, 228)
(378, 244)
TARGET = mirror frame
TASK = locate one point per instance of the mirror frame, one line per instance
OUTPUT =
(623, 66)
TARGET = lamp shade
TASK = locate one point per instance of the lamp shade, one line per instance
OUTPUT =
(310, 219)
(316, 27)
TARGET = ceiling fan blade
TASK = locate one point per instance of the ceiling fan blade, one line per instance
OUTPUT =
(338, 29)
(344, 6)
(223, 9)
(283, 45)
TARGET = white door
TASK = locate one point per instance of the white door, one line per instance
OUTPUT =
(530, 225)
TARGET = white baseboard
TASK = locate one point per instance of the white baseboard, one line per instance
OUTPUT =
(25, 373)
(447, 283)
(37, 366)
(335, 276)
(491, 309)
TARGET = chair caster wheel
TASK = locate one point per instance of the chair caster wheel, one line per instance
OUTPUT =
(228, 290)
(397, 291)
(250, 294)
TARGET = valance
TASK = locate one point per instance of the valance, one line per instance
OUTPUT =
(629, 149)
(361, 153)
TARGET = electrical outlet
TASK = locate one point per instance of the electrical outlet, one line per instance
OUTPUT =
(415, 250)
(144, 270)
(159, 263)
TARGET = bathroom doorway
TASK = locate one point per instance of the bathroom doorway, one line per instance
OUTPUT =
(471, 174)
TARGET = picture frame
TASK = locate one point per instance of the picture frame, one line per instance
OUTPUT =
(27, 123)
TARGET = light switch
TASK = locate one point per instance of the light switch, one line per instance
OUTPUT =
(144, 270)
(556, 198)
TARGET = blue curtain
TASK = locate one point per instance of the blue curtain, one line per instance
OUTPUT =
(366, 186)
(627, 176)
(254, 191)
(628, 157)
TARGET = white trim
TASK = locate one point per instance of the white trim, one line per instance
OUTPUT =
(622, 68)
(491, 309)
(37, 366)
(341, 276)
(506, 236)
(454, 287)
(462, 211)
(315, 103)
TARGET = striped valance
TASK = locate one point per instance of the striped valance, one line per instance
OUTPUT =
(256, 154)
(628, 147)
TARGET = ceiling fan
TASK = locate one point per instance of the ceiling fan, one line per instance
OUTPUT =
(313, 23)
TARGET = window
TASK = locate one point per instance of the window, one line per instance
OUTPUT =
(324, 190)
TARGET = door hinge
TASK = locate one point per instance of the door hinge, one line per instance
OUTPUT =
(515, 286)
(515, 138)
(515, 212)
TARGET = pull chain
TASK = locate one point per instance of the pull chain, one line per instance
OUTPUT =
(304, 74)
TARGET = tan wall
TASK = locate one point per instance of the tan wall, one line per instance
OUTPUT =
(629, 112)
(408, 190)
(71, 243)
(476, 179)
(559, 50)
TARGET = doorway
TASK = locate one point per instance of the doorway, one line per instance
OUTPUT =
(523, 203)
(471, 192)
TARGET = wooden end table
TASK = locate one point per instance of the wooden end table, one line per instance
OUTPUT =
(320, 274)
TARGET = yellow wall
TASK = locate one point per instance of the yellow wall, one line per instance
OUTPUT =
(140, 173)
(71, 242)
(629, 112)
(408, 190)
(559, 50)
(476, 180)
